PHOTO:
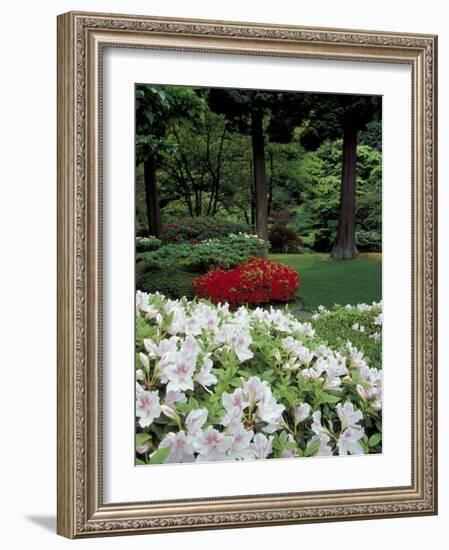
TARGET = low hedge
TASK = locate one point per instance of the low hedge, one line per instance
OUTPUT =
(147, 244)
(225, 253)
(199, 229)
(173, 283)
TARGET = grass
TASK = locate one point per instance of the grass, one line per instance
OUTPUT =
(326, 282)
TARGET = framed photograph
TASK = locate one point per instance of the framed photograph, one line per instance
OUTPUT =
(246, 274)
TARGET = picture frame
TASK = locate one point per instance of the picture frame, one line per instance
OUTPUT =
(82, 40)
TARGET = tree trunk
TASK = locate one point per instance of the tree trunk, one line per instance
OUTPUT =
(152, 196)
(260, 183)
(345, 247)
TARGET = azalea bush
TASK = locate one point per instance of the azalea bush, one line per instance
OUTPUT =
(254, 281)
(200, 229)
(221, 252)
(214, 384)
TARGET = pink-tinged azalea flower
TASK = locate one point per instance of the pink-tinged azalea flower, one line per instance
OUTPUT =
(180, 366)
(172, 397)
(155, 350)
(348, 442)
(169, 412)
(300, 352)
(179, 370)
(234, 337)
(195, 420)
(232, 419)
(235, 400)
(301, 412)
(193, 326)
(363, 392)
(205, 376)
(190, 346)
(347, 415)
(211, 445)
(324, 448)
(241, 438)
(181, 447)
(253, 390)
(262, 446)
(148, 407)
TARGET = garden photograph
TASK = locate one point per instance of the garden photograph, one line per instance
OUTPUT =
(258, 273)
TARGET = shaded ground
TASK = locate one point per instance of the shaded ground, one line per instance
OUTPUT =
(326, 282)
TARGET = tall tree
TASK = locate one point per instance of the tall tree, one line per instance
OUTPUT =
(156, 107)
(333, 116)
(245, 110)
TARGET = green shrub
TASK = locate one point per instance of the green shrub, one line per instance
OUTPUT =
(224, 252)
(368, 241)
(173, 283)
(147, 244)
(342, 323)
(198, 229)
(283, 239)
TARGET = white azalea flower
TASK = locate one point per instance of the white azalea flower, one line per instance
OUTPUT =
(253, 390)
(301, 413)
(241, 439)
(205, 376)
(148, 407)
(324, 448)
(232, 419)
(236, 338)
(235, 400)
(172, 397)
(211, 445)
(195, 420)
(140, 375)
(193, 326)
(262, 446)
(181, 447)
(348, 442)
(270, 411)
(347, 415)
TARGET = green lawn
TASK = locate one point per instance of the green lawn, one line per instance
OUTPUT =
(326, 282)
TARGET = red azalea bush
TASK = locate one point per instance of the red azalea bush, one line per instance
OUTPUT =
(253, 281)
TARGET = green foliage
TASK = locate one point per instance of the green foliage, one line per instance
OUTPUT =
(224, 252)
(147, 244)
(200, 229)
(336, 327)
(174, 283)
(316, 218)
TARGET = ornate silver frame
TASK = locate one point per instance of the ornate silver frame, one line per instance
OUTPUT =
(81, 38)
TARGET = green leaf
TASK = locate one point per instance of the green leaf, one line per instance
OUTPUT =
(329, 398)
(375, 439)
(160, 455)
(139, 462)
(142, 438)
(312, 448)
